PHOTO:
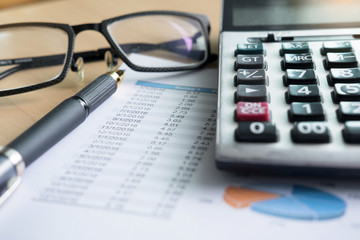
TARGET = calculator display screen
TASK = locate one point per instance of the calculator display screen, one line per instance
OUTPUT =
(290, 14)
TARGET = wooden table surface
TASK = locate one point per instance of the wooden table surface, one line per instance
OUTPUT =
(19, 112)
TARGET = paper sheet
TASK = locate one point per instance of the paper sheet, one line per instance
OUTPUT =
(142, 167)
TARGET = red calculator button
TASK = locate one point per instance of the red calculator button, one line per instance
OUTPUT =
(252, 111)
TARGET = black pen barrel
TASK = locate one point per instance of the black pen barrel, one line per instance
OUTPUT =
(64, 118)
(50, 129)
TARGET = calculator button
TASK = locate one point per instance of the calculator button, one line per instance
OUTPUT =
(252, 111)
(303, 93)
(340, 60)
(351, 132)
(346, 92)
(336, 46)
(256, 132)
(251, 93)
(294, 47)
(299, 76)
(297, 61)
(249, 48)
(348, 111)
(344, 75)
(250, 62)
(310, 132)
(250, 76)
(306, 112)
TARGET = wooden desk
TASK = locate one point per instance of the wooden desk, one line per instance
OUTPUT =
(19, 112)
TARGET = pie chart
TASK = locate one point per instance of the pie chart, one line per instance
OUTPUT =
(286, 200)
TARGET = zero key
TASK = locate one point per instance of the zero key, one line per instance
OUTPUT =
(256, 132)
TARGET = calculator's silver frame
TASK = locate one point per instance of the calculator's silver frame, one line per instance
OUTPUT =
(336, 158)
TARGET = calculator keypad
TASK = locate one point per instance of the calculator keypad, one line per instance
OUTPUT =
(251, 97)
(288, 105)
(303, 96)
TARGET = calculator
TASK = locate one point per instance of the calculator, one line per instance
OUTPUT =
(289, 87)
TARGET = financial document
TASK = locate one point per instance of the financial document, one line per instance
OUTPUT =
(142, 167)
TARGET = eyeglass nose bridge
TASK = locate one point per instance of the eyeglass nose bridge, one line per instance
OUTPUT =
(88, 26)
(91, 55)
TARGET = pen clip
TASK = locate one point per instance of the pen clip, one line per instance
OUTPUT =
(9, 186)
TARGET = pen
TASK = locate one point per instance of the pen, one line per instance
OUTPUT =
(50, 129)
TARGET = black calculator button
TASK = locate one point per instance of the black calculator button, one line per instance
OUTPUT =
(340, 60)
(299, 76)
(250, 76)
(303, 93)
(343, 75)
(348, 111)
(250, 62)
(297, 61)
(251, 93)
(310, 132)
(294, 47)
(256, 132)
(351, 132)
(336, 46)
(309, 111)
(249, 48)
(346, 92)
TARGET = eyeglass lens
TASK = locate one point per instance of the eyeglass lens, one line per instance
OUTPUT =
(26, 49)
(33, 55)
(178, 39)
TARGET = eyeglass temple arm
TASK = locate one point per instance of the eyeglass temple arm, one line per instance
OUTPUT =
(47, 61)
(25, 63)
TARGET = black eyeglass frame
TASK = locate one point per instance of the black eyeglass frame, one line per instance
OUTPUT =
(102, 27)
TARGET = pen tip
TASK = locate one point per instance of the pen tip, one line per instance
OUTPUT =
(118, 75)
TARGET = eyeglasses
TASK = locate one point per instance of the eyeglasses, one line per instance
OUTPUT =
(181, 38)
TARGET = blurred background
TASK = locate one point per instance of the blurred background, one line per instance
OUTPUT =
(12, 3)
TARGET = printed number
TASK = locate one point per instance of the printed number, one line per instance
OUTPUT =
(302, 73)
(346, 73)
(340, 57)
(257, 127)
(352, 88)
(304, 90)
(307, 128)
(356, 108)
(307, 108)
